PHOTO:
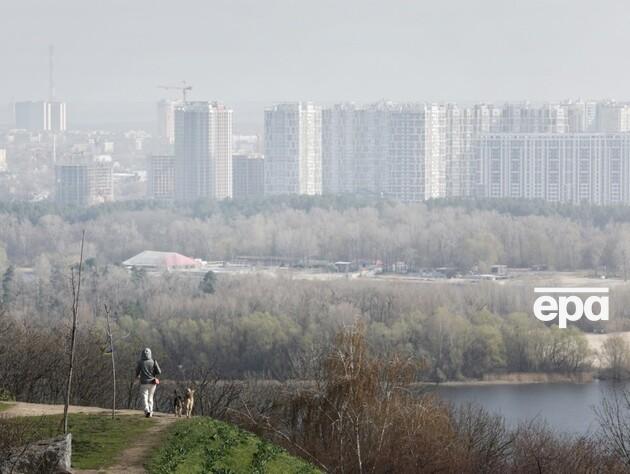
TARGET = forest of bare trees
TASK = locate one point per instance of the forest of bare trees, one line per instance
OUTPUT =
(274, 328)
(435, 234)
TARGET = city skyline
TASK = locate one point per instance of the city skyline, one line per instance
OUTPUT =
(409, 152)
(563, 152)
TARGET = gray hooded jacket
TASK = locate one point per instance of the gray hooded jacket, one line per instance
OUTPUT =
(147, 368)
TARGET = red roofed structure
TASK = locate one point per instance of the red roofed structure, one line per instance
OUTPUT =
(151, 260)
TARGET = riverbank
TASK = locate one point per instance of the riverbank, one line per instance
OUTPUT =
(515, 378)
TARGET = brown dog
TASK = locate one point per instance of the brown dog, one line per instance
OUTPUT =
(189, 401)
(178, 404)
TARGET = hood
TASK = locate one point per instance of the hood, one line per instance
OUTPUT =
(146, 354)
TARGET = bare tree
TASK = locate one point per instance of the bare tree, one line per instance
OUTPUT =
(111, 348)
(614, 357)
(613, 415)
(76, 290)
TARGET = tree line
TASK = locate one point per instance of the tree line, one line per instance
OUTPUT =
(464, 235)
(276, 327)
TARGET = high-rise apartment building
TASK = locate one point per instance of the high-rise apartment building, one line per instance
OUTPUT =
(161, 177)
(84, 182)
(613, 117)
(457, 136)
(353, 148)
(398, 150)
(476, 120)
(483, 118)
(293, 149)
(525, 118)
(166, 120)
(339, 149)
(203, 151)
(248, 176)
(581, 116)
(571, 168)
(416, 152)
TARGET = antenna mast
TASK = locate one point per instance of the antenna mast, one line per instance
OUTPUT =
(51, 77)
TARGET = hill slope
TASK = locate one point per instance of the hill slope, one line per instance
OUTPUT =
(207, 445)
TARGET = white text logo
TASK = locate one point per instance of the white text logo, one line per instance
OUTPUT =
(570, 306)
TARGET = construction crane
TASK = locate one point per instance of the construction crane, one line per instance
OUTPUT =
(184, 88)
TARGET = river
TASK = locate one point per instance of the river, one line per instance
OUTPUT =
(566, 407)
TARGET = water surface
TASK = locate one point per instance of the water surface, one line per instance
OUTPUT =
(566, 407)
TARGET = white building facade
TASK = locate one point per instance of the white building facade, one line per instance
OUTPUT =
(568, 168)
(203, 151)
(166, 120)
(293, 149)
(395, 150)
(354, 152)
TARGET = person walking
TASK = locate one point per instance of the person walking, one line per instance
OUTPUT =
(148, 370)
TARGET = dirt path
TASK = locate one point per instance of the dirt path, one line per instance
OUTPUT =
(38, 409)
(131, 460)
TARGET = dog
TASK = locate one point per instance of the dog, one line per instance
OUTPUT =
(189, 401)
(178, 404)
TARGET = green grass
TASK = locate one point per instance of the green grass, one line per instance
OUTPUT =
(4, 406)
(97, 440)
(204, 445)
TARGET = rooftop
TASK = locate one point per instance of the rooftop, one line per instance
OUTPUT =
(151, 259)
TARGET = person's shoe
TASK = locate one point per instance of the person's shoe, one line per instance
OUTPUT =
(147, 414)
(151, 415)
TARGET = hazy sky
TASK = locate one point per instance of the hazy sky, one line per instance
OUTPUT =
(325, 50)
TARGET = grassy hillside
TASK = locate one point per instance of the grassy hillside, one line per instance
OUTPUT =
(207, 445)
(97, 440)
